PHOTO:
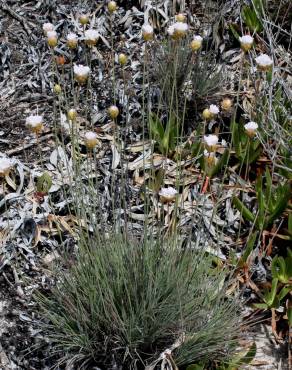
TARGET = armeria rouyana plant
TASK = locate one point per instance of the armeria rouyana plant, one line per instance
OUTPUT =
(126, 302)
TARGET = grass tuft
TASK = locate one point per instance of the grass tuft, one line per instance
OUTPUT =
(126, 302)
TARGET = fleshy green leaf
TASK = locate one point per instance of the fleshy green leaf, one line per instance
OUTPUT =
(246, 213)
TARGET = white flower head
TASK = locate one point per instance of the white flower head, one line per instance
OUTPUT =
(72, 37)
(48, 27)
(167, 194)
(91, 35)
(196, 43)
(5, 166)
(198, 38)
(90, 139)
(90, 135)
(51, 35)
(34, 121)
(251, 128)
(147, 32)
(211, 140)
(180, 27)
(146, 28)
(264, 62)
(213, 109)
(81, 70)
(246, 42)
(178, 30)
(247, 39)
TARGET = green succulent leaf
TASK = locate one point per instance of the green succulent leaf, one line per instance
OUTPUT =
(249, 248)
(246, 213)
(279, 269)
(281, 204)
(284, 291)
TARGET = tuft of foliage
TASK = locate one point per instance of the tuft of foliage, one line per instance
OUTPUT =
(125, 302)
(180, 74)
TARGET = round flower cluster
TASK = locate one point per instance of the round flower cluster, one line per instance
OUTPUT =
(251, 128)
(147, 32)
(167, 195)
(196, 43)
(72, 40)
(6, 165)
(177, 30)
(211, 112)
(91, 37)
(34, 123)
(211, 144)
(81, 73)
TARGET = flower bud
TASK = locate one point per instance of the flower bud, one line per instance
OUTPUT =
(226, 104)
(207, 114)
(196, 43)
(52, 39)
(180, 18)
(113, 111)
(112, 6)
(57, 89)
(72, 114)
(122, 59)
(90, 139)
(83, 19)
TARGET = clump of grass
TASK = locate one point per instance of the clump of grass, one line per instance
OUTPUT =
(125, 302)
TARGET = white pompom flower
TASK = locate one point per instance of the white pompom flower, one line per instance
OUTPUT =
(196, 43)
(90, 139)
(6, 165)
(211, 142)
(91, 37)
(167, 194)
(177, 30)
(52, 38)
(72, 40)
(48, 27)
(34, 123)
(213, 109)
(81, 73)
(246, 42)
(264, 62)
(147, 32)
(251, 128)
